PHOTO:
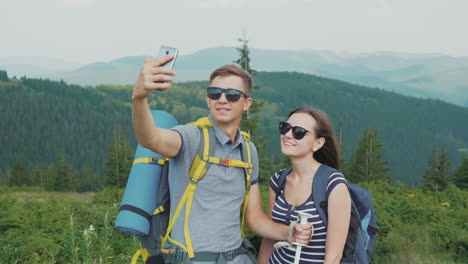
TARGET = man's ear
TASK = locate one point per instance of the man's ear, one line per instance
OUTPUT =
(247, 103)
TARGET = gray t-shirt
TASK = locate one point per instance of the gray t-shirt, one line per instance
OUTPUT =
(214, 222)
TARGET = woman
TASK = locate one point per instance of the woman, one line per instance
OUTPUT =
(307, 138)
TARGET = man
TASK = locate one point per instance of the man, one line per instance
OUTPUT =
(214, 216)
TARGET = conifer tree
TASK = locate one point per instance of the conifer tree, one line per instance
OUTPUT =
(460, 178)
(430, 174)
(249, 121)
(90, 180)
(3, 177)
(339, 138)
(444, 166)
(437, 172)
(63, 181)
(119, 160)
(18, 174)
(366, 163)
(3, 76)
(43, 175)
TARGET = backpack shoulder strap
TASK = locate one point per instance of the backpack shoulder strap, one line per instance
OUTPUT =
(197, 171)
(319, 188)
(282, 181)
(206, 149)
(246, 157)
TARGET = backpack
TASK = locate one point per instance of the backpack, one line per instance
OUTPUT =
(158, 247)
(361, 238)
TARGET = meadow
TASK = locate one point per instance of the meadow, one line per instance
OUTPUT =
(39, 226)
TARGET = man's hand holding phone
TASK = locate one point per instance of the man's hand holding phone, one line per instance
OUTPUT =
(156, 74)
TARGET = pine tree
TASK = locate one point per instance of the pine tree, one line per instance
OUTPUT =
(19, 174)
(339, 138)
(119, 160)
(436, 176)
(43, 176)
(63, 180)
(50, 172)
(460, 178)
(3, 177)
(249, 121)
(90, 181)
(366, 163)
(444, 166)
(3, 76)
(430, 174)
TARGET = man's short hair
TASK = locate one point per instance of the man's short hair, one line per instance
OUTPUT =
(233, 70)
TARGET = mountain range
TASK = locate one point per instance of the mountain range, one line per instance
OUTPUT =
(421, 75)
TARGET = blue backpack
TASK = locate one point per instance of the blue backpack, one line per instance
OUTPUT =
(360, 242)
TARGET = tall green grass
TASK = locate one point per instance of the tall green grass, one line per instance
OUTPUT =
(45, 227)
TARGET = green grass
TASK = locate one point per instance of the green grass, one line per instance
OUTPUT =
(49, 227)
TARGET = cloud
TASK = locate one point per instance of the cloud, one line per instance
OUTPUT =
(383, 9)
(225, 4)
(75, 3)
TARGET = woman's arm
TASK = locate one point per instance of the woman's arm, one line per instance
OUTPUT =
(339, 214)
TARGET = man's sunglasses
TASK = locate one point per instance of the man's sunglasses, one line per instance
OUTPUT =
(232, 95)
(297, 131)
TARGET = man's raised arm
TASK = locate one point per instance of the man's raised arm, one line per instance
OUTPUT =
(153, 77)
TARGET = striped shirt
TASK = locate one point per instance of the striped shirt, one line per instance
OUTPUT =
(282, 213)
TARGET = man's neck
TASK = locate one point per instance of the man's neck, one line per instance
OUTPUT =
(230, 129)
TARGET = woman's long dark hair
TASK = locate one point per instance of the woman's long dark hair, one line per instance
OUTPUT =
(328, 154)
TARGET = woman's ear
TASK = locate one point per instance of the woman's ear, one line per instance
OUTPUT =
(318, 144)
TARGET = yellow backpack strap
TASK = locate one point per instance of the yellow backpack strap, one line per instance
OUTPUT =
(143, 252)
(246, 155)
(198, 170)
(202, 122)
(151, 160)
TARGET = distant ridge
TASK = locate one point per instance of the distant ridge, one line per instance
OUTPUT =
(422, 75)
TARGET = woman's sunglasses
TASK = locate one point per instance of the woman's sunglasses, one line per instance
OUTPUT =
(232, 95)
(297, 131)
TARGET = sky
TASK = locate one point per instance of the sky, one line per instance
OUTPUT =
(87, 31)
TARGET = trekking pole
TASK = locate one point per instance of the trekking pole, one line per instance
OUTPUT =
(302, 219)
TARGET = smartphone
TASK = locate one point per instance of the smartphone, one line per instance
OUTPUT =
(168, 51)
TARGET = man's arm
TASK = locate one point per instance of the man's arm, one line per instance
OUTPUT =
(267, 247)
(153, 77)
(262, 225)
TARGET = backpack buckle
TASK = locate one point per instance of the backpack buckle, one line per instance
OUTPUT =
(225, 162)
(229, 256)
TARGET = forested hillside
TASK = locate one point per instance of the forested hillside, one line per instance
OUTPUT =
(40, 118)
(408, 127)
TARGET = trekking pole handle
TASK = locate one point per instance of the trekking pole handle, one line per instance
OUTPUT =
(303, 217)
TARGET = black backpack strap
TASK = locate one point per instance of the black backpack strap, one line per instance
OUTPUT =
(282, 181)
(319, 190)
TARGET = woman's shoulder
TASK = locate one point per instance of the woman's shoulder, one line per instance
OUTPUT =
(275, 178)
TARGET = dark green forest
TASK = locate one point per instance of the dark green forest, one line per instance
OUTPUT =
(67, 150)
(42, 119)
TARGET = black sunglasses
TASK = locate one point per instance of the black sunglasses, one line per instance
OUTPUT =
(232, 95)
(297, 131)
